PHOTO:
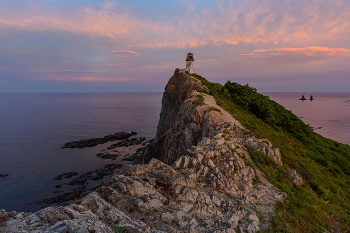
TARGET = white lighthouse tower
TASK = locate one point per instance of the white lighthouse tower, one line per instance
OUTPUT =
(189, 63)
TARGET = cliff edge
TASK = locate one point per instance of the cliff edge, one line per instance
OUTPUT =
(196, 176)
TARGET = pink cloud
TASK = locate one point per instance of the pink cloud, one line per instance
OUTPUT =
(90, 79)
(308, 51)
(121, 64)
(124, 53)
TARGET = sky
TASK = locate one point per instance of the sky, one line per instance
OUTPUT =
(135, 45)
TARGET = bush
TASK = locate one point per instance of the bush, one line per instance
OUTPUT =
(267, 110)
(199, 101)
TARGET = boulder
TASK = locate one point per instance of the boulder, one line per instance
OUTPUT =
(294, 177)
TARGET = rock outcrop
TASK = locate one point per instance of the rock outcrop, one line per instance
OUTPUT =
(181, 123)
(187, 116)
(197, 176)
(294, 177)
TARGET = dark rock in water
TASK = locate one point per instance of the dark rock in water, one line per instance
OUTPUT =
(303, 98)
(112, 153)
(102, 172)
(127, 142)
(58, 191)
(95, 141)
(136, 155)
(82, 181)
(75, 194)
(131, 158)
(66, 175)
(108, 155)
(3, 175)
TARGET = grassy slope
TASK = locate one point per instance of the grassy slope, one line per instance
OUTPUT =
(323, 203)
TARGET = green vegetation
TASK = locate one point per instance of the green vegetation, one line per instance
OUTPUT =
(323, 203)
(211, 108)
(118, 229)
(199, 101)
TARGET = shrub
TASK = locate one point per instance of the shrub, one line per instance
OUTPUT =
(199, 101)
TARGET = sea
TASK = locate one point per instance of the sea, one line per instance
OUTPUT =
(35, 126)
(328, 113)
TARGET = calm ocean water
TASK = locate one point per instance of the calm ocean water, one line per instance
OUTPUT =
(34, 127)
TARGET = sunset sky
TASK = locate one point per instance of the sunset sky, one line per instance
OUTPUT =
(135, 45)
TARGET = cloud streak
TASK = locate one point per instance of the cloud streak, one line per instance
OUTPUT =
(124, 53)
(308, 51)
(90, 78)
(121, 64)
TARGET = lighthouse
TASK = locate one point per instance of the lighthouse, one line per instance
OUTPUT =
(189, 63)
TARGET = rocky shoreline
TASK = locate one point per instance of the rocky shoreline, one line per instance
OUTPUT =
(87, 182)
(77, 187)
(195, 176)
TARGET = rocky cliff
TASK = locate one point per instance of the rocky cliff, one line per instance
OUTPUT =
(187, 116)
(181, 123)
(196, 176)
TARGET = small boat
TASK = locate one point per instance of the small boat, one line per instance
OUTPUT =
(311, 98)
(303, 98)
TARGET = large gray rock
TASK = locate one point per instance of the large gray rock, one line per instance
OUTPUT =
(180, 124)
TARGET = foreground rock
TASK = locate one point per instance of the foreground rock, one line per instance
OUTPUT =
(203, 184)
(95, 141)
(197, 194)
